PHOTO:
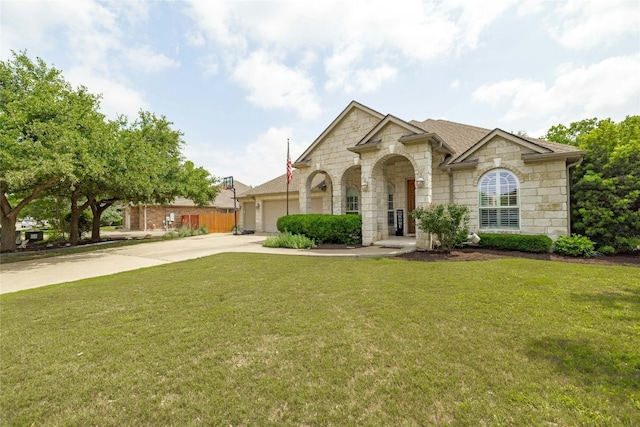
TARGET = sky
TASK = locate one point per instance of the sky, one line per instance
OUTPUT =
(240, 78)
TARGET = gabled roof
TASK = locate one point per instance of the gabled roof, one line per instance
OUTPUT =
(333, 124)
(466, 139)
(223, 200)
(278, 185)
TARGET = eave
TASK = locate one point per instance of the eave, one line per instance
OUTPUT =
(544, 157)
(365, 148)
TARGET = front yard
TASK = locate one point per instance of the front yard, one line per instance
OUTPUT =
(247, 339)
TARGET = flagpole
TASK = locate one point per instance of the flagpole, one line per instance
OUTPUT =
(288, 175)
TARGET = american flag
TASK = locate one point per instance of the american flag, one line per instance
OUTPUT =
(289, 171)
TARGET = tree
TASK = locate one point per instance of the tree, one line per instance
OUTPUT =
(145, 165)
(605, 193)
(38, 132)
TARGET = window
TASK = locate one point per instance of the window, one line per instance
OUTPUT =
(352, 200)
(499, 204)
(390, 218)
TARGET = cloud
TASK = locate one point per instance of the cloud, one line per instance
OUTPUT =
(145, 59)
(261, 160)
(578, 91)
(117, 97)
(360, 43)
(587, 24)
(272, 84)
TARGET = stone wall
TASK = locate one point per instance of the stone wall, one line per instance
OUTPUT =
(543, 188)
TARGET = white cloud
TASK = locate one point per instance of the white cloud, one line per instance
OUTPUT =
(596, 90)
(261, 160)
(586, 24)
(271, 84)
(455, 84)
(362, 42)
(117, 98)
(145, 59)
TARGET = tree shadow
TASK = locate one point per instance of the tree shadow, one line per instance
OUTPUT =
(590, 365)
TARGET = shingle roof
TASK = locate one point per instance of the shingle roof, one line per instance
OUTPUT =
(279, 185)
(462, 137)
(224, 199)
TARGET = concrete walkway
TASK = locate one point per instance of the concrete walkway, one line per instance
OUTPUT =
(67, 268)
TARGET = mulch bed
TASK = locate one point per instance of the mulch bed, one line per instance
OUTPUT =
(483, 254)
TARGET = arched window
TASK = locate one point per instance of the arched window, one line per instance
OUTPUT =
(499, 200)
(352, 200)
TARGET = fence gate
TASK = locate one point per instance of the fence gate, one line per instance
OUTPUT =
(218, 222)
(190, 221)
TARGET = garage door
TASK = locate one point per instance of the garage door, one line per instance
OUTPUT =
(249, 216)
(274, 209)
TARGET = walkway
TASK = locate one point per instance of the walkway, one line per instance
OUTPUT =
(67, 268)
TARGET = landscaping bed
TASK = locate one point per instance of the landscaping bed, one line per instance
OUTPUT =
(482, 254)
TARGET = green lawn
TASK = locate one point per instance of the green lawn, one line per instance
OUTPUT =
(248, 339)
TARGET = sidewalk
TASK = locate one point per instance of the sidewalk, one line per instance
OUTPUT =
(67, 268)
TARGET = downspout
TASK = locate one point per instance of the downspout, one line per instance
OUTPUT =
(145, 217)
(569, 166)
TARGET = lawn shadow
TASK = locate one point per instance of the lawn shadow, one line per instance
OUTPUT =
(590, 365)
(620, 299)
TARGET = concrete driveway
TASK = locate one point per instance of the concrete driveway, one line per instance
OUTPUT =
(67, 268)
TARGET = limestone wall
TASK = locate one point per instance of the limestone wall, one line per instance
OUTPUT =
(543, 189)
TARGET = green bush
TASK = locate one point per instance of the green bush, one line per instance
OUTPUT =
(170, 235)
(607, 250)
(449, 223)
(516, 242)
(288, 240)
(574, 245)
(346, 229)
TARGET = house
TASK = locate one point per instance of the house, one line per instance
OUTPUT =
(220, 211)
(382, 168)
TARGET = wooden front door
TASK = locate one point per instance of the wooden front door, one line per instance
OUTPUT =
(411, 205)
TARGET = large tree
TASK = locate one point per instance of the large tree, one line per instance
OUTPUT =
(40, 120)
(145, 165)
(606, 185)
(55, 142)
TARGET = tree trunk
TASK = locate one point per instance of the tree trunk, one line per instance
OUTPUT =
(8, 238)
(98, 208)
(95, 223)
(9, 215)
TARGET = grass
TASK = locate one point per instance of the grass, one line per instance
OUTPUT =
(11, 257)
(248, 339)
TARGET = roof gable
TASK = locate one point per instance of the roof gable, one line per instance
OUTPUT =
(335, 123)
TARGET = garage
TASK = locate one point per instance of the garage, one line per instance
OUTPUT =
(274, 209)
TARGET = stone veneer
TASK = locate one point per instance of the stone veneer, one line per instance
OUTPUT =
(543, 185)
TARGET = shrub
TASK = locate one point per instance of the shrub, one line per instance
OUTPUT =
(346, 229)
(449, 223)
(170, 235)
(574, 245)
(516, 242)
(607, 250)
(288, 240)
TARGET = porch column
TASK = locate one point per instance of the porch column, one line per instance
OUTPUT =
(369, 207)
(339, 199)
(424, 197)
(304, 194)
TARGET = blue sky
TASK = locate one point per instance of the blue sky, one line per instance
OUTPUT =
(240, 77)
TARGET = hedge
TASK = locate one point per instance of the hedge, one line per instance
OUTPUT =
(516, 242)
(346, 229)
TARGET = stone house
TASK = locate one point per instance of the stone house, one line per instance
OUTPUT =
(149, 217)
(382, 168)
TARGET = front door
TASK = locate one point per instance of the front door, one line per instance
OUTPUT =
(411, 205)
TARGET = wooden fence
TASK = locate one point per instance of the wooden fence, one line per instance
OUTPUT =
(215, 223)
